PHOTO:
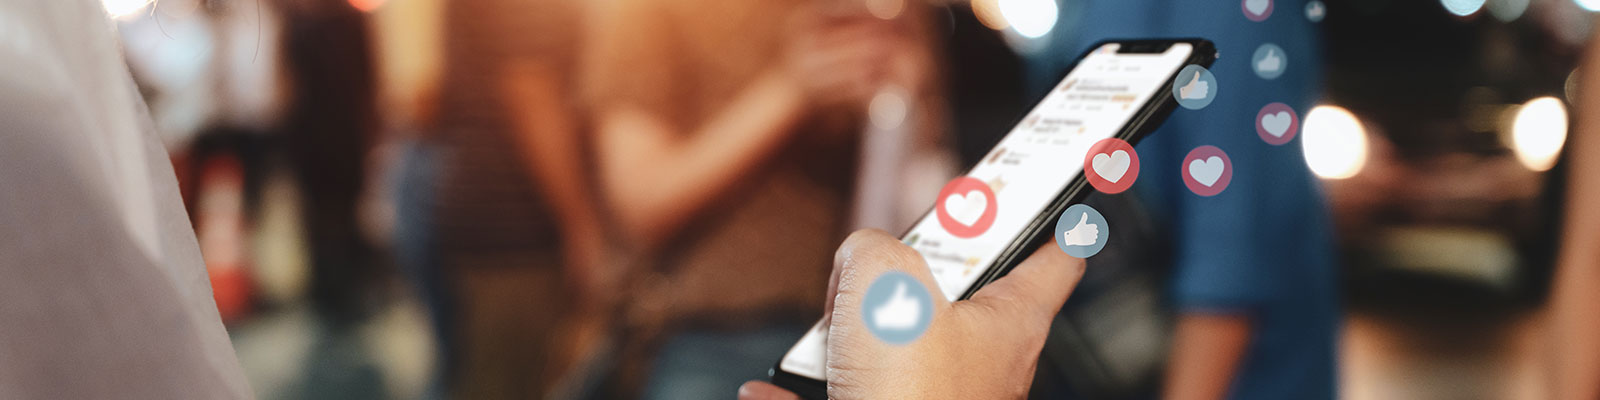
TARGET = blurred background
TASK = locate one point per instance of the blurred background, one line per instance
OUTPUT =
(576, 199)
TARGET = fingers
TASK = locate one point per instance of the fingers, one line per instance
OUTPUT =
(758, 390)
(1034, 290)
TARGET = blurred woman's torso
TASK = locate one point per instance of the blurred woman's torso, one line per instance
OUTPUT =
(769, 244)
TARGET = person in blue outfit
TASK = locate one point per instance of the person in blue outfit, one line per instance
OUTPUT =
(1253, 278)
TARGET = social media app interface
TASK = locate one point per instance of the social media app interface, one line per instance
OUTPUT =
(1024, 172)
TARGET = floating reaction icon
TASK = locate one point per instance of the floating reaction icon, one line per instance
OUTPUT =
(1112, 165)
(1207, 171)
(1082, 232)
(1277, 124)
(1315, 10)
(966, 207)
(897, 308)
(1257, 10)
(1195, 87)
(1269, 61)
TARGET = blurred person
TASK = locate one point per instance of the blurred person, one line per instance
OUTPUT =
(1253, 276)
(726, 140)
(330, 122)
(1575, 294)
(496, 219)
(106, 294)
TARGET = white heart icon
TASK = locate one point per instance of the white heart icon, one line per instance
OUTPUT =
(1111, 167)
(1276, 124)
(1256, 7)
(1206, 171)
(966, 209)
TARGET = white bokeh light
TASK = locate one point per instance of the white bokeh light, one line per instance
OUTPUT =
(1538, 132)
(1591, 5)
(1463, 7)
(1507, 10)
(122, 9)
(1030, 18)
(1335, 142)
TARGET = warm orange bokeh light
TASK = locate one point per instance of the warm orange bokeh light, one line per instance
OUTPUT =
(366, 5)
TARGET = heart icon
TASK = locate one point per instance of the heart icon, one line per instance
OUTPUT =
(1207, 171)
(1257, 7)
(1112, 167)
(967, 208)
(1277, 123)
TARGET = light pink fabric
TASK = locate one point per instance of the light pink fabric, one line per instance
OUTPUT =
(102, 290)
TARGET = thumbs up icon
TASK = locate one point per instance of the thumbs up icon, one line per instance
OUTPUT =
(1084, 234)
(900, 312)
(1195, 89)
(1271, 62)
(1085, 238)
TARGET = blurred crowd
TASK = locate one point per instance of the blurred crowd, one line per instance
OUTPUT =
(574, 199)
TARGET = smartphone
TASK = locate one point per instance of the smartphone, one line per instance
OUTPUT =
(1118, 88)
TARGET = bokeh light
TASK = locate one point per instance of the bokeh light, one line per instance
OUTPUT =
(1462, 7)
(123, 9)
(988, 13)
(366, 5)
(1030, 18)
(1507, 10)
(1538, 132)
(886, 9)
(888, 109)
(1335, 142)
(1591, 5)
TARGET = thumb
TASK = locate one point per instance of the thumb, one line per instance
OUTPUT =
(1034, 291)
(1084, 221)
(865, 256)
(1195, 79)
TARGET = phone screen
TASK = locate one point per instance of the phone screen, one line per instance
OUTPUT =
(1030, 166)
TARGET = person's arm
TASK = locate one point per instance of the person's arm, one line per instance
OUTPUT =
(548, 139)
(1206, 352)
(1575, 297)
(656, 177)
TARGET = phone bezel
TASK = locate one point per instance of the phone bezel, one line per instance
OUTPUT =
(1034, 234)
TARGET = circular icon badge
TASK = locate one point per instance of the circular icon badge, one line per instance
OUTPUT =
(1269, 61)
(1082, 232)
(1257, 10)
(1277, 124)
(1315, 11)
(1195, 87)
(1111, 165)
(1207, 170)
(897, 308)
(966, 207)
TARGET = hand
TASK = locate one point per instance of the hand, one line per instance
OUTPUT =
(838, 60)
(982, 348)
(1083, 234)
(1196, 89)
